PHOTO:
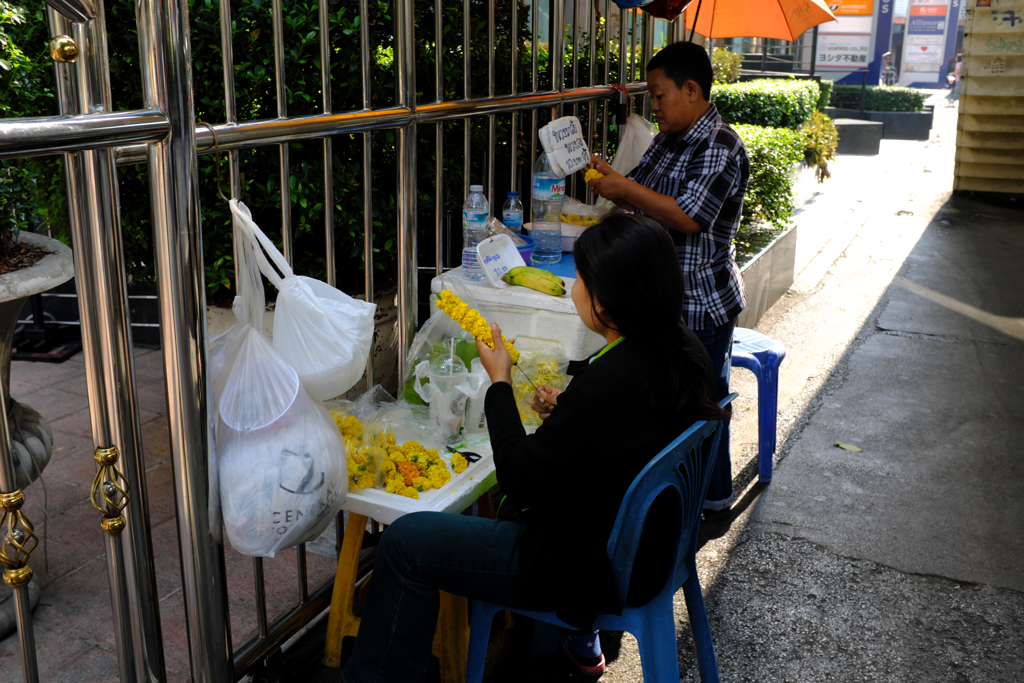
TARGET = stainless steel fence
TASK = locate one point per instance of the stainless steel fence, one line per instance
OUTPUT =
(95, 140)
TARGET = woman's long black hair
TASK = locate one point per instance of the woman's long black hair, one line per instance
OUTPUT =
(630, 268)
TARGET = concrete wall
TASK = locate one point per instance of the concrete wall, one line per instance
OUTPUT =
(990, 129)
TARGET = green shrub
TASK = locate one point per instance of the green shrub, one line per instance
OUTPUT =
(772, 152)
(726, 65)
(824, 93)
(820, 142)
(879, 98)
(775, 103)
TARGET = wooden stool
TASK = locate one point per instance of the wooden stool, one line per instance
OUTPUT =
(451, 640)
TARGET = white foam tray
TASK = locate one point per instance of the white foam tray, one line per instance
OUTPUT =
(455, 496)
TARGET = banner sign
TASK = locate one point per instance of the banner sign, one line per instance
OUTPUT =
(845, 44)
(924, 50)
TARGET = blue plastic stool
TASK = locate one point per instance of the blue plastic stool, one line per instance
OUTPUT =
(684, 466)
(762, 356)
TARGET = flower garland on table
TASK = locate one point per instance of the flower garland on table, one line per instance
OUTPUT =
(471, 321)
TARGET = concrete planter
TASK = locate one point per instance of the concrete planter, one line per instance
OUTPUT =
(898, 125)
(768, 276)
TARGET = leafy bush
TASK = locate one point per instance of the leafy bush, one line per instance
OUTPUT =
(820, 142)
(726, 65)
(775, 103)
(824, 93)
(772, 153)
(879, 98)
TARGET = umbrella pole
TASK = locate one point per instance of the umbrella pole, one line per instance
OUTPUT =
(695, 15)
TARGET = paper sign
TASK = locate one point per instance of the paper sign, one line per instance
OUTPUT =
(563, 143)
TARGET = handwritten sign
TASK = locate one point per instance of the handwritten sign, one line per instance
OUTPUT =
(563, 143)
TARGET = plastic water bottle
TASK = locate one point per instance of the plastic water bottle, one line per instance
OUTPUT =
(546, 229)
(512, 213)
(475, 211)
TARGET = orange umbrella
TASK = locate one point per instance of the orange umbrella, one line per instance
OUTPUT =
(782, 19)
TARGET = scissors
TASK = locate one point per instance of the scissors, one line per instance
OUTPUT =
(470, 457)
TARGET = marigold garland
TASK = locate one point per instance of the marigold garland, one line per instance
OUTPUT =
(592, 174)
(471, 321)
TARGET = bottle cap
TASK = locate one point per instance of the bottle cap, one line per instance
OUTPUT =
(476, 188)
(513, 194)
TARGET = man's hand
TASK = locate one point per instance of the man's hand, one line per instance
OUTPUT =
(613, 186)
(544, 400)
(496, 361)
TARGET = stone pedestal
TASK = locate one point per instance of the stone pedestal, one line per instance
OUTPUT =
(31, 438)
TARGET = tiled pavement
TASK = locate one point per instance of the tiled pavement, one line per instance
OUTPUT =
(73, 624)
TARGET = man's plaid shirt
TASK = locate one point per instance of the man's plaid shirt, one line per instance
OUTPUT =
(706, 171)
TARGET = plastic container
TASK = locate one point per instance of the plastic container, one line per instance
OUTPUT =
(475, 211)
(547, 196)
(512, 213)
(527, 251)
(570, 233)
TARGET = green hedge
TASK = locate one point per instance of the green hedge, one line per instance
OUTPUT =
(824, 93)
(879, 98)
(772, 153)
(775, 103)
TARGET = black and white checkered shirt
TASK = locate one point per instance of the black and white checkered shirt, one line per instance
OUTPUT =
(706, 171)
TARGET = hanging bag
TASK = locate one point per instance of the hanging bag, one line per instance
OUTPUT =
(323, 333)
(281, 460)
(637, 137)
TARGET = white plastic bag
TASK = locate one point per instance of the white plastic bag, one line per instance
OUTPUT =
(281, 460)
(636, 139)
(323, 333)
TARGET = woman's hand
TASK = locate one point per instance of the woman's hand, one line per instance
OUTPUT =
(544, 400)
(496, 361)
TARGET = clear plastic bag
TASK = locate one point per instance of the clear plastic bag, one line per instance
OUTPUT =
(409, 447)
(578, 213)
(323, 333)
(542, 362)
(637, 137)
(280, 457)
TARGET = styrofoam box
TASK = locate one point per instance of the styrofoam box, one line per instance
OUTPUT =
(497, 255)
(522, 312)
(455, 496)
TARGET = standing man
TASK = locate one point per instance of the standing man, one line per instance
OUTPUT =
(692, 181)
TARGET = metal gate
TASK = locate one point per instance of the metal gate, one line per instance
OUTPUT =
(95, 140)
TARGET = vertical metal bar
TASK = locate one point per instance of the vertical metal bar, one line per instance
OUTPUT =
(632, 49)
(300, 563)
(607, 79)
(557, 51)
(814, 48)
(467, 127)
(325, 88)
(592, 106)
(575, 76)
(261, 597)
(534, 11)
(622, 66)
(439, 138)
(177, 244)
(514, 50)
(407, 265)
(230, 109)
(282, 112)
(645, 56)
(94, 219)
(364, 55)
(492, 153)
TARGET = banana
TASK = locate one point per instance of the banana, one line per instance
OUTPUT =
(540, 272)
(528, 277)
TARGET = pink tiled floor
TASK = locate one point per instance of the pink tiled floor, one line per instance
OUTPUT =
(73, 625)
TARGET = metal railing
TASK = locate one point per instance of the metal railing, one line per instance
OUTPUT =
(96, 140)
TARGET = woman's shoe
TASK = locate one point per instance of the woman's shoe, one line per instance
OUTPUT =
(583, 648)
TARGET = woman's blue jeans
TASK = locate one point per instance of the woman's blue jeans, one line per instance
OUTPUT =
(418, 555)
(718, 342)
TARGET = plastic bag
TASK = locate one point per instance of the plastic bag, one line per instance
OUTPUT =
(281, 460)
(409, 448)
(636, 139)
(352, 418)
(540, 362)
(323, 333)
(448, 401)
(578, 213)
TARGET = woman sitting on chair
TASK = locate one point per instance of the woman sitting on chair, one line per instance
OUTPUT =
(564, 483)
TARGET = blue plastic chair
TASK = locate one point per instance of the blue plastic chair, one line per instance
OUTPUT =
(685, 466)
(762, 356)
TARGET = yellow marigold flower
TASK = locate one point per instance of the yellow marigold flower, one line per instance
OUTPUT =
(592, 174)
(421, 484)
(439, 476)
(459, 463)
(471, 321)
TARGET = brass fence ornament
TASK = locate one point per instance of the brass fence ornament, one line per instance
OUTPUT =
(109, 492)
(18, 540)
(63, 49)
